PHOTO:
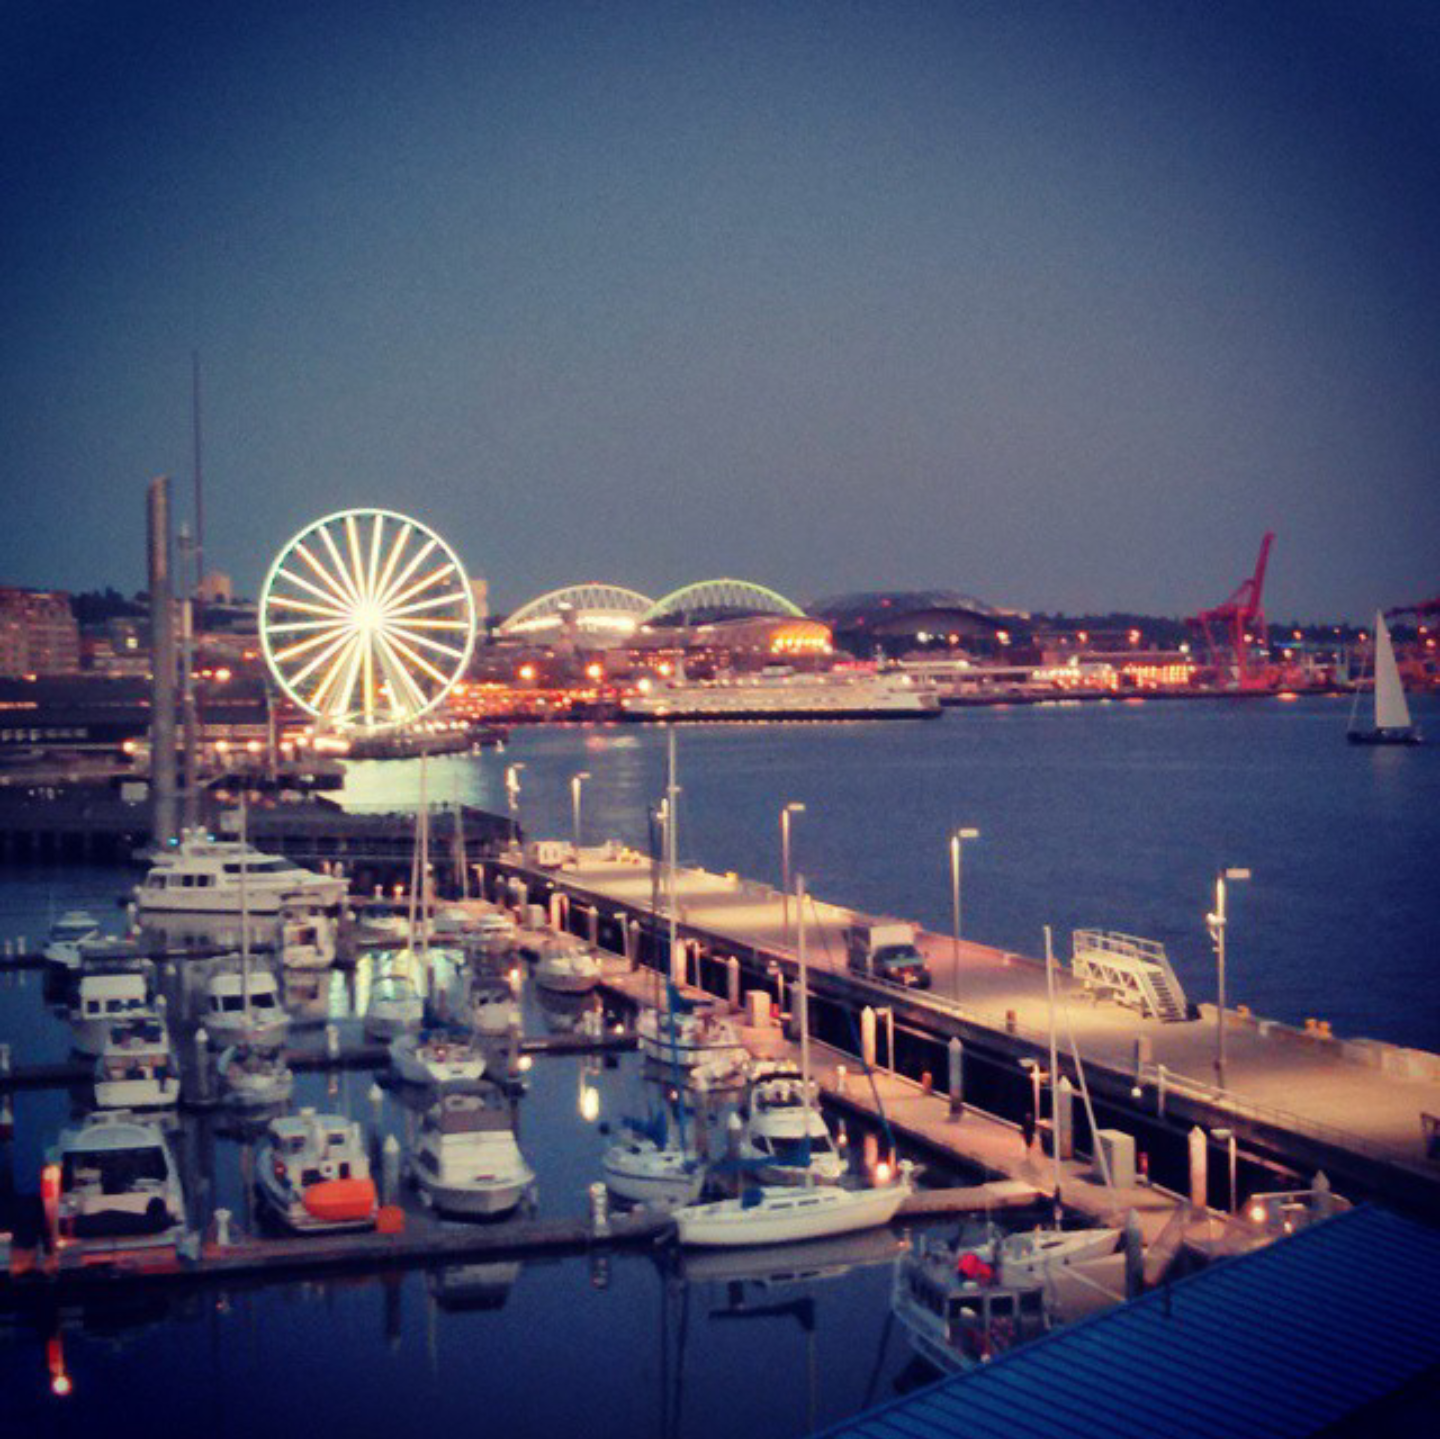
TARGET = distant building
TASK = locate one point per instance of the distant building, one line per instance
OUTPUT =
(215, 589)
(38, 633)
(480, 592)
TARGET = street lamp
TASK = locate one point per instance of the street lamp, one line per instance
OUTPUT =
(1215, 922)
(955, 842)
(512, 793)
(576, 781)
(794, 807)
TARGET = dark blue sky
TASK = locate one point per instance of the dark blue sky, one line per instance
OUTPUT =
(1061, 304)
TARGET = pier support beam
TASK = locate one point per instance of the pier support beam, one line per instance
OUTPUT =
(1199, 1168)
(956, 1086)
(867, 1036)
(1062, 1122)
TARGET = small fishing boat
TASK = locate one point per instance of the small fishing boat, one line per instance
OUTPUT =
(118, 1180)
(1033, 1253)
(438, 1058)
(312, 1173)
(254, 1078)
(137, 1069)
(1392, 724)
(243, 1006)
(63, 945)
(466, 1161)
(306, 938)
(689, 1036)
(567, 967)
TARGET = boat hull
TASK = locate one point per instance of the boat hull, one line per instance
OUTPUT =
(786, 1216)
(474, 1201)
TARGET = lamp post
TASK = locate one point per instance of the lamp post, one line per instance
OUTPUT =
(512, 794)
(956, 839)
(1216, 924)
(794, 807)
(576, 781)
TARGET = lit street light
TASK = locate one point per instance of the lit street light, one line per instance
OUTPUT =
(794, 807)
(955, 842)
(1215, 922)
(576, 781)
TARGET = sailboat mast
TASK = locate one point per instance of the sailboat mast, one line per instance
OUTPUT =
(244, 906)
(671, 791)
(1054, 1066)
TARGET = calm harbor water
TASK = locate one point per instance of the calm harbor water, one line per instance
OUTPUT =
(1112, 815)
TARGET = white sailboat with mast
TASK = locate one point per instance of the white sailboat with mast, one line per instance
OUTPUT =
(784, 1213)
(1392, 722)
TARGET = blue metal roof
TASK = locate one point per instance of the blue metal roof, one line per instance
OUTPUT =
(1284, 1341)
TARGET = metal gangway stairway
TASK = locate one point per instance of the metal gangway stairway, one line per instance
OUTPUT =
(1134, 971)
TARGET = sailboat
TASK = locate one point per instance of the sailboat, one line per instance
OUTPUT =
(1392, 714)
(785, 1213)
(653, 1161)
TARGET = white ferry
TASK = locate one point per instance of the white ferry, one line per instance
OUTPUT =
(785, 696)
(201, 875)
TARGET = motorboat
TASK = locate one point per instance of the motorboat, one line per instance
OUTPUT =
(486, 1002)
(67, 935)
(439, 1058)
(958, 1314)
(466, 1160)
(1391, 723)
(243, 1006)
(567, 968)
(312, 1173)
(118, 1180)
(395, 1005)
(209, 876)
(647, 1164)
(785, 1135)
(785, 1214)
(137, 1069)
(254, 1078)
(105, 994)
(491, 935)
(685, 1036)
(1038, 1252)
(306, 938)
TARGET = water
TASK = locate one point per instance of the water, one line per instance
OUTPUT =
(1115, 816)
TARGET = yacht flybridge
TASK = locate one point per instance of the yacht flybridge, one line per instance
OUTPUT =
(202, 875)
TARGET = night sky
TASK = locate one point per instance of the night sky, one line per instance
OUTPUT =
(1061, 305)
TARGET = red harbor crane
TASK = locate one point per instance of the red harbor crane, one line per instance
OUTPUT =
(1239, 624)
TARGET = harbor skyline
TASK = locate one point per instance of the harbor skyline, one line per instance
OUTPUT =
(1060, 310)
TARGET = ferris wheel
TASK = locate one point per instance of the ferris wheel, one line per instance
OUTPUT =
(367, 619)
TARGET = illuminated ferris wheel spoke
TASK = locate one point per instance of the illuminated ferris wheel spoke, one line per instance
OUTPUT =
(339, 574)
(388, 596)
(333, 591)
(367, 619)
(330, 605)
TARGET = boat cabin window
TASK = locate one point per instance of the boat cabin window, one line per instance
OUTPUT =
(427, 1160)
(113, 1171)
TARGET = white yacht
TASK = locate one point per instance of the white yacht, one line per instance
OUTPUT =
(106, 994)
(439, 1058)
(486, 1002)
(118, 1180)
(1034, 1253)
(395, 1005)
(137, 1069)
(306, 937)
(785, 1136)
(312, 1173)
(784, 1214)
(254, 1078)
(491, 936)
(244, 1007)
(687, 1038)
(466, 1160)
(210, 876)
(567, 967)
(67, 935)
(648, 1165)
